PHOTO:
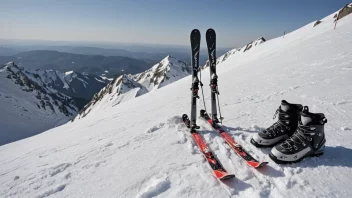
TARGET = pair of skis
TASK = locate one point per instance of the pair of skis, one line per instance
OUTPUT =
(218, 169)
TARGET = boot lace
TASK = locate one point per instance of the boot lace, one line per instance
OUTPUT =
(280, 125)
(301, 136)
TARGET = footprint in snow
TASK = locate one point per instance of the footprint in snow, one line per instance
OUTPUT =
(154, 187)
(345, 129)
(52, 191)
(58, 169)
(155, 128)
(109, 144)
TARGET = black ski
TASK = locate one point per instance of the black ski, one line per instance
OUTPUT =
(195, 46)
(213, 120)
(216, 166)
(211, 44)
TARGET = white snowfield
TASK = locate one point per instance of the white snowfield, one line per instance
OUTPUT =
(141, 149)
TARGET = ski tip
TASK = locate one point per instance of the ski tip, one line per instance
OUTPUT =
(223, 175)
(257, 164)
(195, 31)
(226, 177)
(210, 30)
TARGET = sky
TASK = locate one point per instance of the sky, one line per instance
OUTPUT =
(236, 22)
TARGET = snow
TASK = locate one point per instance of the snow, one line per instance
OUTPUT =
(140, 148)
(167, 71)
(68, 73)
(19, 112)
(121, 90)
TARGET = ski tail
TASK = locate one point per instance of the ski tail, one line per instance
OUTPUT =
(218, 170)
(252, 162)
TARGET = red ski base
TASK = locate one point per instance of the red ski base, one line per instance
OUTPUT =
(231, 142)
(219, 171)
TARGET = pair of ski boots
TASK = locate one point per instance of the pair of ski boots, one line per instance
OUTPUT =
(296, 134)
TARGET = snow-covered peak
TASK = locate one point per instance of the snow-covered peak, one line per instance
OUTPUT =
(165, 72)
(252, 44)
(11, 66)
(127, 87)
(69, 73)
(120, 90)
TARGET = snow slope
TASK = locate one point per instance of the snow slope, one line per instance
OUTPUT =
(122, 89)
(28, 105)
(141, 148)
(243, 49)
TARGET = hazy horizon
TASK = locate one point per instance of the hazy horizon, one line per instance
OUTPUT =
(156, 22)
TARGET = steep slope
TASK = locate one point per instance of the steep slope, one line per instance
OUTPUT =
(142, 149)
(241, 50)
(76, 85)
(167, 71)
(28, 106)
(120, 90)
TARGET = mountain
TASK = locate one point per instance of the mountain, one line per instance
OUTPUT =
(111, 66)
(142, 149)
(28, 105)
(165, 72)
(127, 87)
(42, 99)
(120, 90)
(81, 87)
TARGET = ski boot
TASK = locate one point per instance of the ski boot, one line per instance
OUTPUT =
(282, 129)
(308, 140)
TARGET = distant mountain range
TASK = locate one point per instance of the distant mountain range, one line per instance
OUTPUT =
(110, 66)
(150, 54)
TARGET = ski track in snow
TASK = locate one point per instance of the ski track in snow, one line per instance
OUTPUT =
(142, 149)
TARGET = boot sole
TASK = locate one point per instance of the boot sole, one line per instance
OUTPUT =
(274, 158)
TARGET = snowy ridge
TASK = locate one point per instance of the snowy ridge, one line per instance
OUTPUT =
(25, 97)
(167, 71)
(223, 57)
(122, 89)
(127, 87)
(253, 44)
(72, 83)
(141, 148)
(245, 48)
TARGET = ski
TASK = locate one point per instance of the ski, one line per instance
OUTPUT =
(211, 45)
(218, 170)
(195, 46)
(232, 143)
